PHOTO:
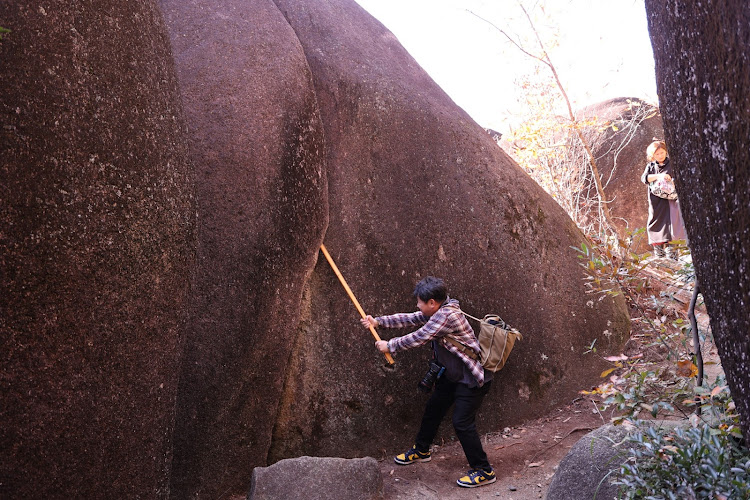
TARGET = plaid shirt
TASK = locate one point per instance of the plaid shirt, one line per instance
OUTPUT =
(448, 320)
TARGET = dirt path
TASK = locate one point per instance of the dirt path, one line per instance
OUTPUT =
(525, 459)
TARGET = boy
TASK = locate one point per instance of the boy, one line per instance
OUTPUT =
(462, 382)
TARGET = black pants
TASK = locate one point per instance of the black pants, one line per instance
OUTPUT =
(467, 403)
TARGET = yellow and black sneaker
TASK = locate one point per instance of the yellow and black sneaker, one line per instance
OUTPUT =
(477, 477)
(412, 456)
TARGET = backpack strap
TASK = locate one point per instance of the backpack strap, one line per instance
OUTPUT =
(466, 350)
(463, 348)
(469, 315)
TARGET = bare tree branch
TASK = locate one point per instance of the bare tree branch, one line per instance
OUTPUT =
(518, 46)
(606, 217)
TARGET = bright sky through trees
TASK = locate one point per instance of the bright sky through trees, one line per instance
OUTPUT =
(601, 49)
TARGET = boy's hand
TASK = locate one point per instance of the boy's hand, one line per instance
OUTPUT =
(382, 346)
(369, 321)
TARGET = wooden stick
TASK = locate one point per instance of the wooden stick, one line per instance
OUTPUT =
(352, 297)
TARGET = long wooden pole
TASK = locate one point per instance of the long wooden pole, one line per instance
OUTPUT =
(352, 297)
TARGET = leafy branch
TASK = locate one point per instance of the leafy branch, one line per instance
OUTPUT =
(609, 273)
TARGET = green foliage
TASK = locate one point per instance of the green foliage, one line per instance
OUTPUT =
(634, 396)
(634, 384)
(716, 407)
(3, 31)
(681, 464)
(633, 387)
(705, 461)
(591, 347)
(612, 267)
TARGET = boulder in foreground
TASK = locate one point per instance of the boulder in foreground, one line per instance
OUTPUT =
(315, 478)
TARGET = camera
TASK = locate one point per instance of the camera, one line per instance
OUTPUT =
(436, 370)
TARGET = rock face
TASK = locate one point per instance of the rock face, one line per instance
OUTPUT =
(594, 461)
(626, 126)
(257, 145)
(96, 247)
(306, 121)
(586, 470)
(315, 478)
(417, 188)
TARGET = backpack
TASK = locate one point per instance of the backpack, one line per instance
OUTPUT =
(496, 340)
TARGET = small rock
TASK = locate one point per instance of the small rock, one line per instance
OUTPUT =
(512, 488)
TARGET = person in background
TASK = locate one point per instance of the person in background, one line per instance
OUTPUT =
(664, 218)
(458, 379)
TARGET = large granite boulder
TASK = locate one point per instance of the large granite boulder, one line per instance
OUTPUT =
(96, 246)
(315, 478)
(620, 132)
(588, 468)
(257, 144)
(417, 188)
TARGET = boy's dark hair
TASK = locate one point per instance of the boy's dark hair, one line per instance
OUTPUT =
(431, 288)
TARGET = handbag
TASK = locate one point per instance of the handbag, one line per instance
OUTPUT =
(496, 340)
(663, 189)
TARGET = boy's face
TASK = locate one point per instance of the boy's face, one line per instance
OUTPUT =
(428, 308)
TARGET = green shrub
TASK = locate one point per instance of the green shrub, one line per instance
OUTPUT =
(707, 461)
(697, 463)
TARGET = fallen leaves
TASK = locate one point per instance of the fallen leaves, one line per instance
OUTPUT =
(686, 368)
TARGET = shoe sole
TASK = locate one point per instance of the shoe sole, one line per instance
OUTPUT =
(403, 462)
(483, 483)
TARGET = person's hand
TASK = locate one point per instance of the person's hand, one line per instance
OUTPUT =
(667, 177)
(369, 321)
(382, 346)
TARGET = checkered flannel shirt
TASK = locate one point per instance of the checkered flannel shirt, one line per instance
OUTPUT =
(448, 320)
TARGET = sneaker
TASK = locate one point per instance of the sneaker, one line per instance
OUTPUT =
(672, 252)
(659, 252)
(477, 477)
(412, 456)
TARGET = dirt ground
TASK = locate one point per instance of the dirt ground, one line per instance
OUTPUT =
(525, 457)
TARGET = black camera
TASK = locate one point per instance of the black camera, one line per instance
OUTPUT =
(436, 370)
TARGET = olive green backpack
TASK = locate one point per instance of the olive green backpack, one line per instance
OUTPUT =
(496, 339)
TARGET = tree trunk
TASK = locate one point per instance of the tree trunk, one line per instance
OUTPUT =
(702, 55)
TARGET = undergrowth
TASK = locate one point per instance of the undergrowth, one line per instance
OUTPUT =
(680, 464)
(701, 457)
